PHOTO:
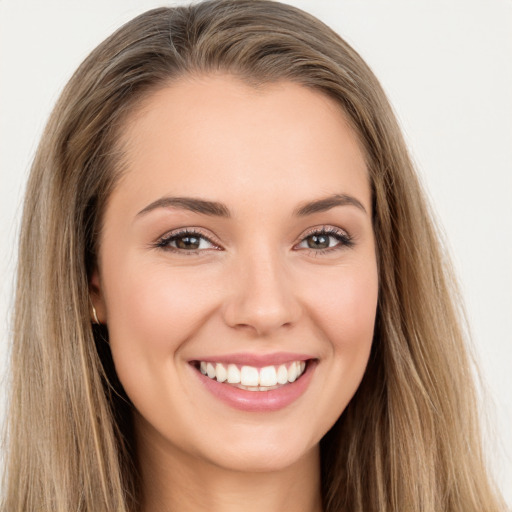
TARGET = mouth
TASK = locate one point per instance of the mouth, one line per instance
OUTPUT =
(251, 384)
(252, 378)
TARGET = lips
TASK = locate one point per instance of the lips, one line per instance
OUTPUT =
(253, 383)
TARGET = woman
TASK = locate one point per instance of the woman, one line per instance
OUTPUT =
(238, 296)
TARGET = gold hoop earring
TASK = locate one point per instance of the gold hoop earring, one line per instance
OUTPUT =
(95, 315)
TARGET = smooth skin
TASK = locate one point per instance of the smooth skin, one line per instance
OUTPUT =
(253, 277)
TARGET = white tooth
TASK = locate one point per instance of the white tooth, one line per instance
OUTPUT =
(202, 367)
(249, 376)
(302, 367)
(233, 374)
(282, 375)
(268, 376)
(210, 370)
(292, 372)
(221, 372)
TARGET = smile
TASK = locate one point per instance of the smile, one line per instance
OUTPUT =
(254, 383)
(252, 378)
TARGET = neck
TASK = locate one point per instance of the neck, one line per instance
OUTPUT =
(174, 480)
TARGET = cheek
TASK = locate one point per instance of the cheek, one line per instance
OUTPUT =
(155, 307)
(344, 309)
(152, 311)
(344, 306)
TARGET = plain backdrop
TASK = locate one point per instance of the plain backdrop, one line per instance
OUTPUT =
(447, 68)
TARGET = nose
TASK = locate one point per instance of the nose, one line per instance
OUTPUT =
(262, 298)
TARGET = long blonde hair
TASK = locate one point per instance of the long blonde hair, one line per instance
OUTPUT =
(409, 439)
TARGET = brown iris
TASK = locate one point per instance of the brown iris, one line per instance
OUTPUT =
(188, 242)
(318, 241)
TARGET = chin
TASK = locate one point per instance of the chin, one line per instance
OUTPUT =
(263, 453)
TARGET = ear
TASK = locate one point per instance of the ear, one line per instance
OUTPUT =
(97, 298)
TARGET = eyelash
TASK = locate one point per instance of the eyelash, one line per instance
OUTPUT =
(163, 243)
(344, 240)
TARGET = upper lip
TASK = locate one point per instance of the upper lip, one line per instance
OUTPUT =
(257, 360)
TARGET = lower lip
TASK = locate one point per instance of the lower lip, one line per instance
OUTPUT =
(259, 401)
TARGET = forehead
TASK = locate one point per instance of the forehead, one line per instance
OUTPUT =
(217, 136)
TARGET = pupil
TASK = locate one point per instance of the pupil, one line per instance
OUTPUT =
(188, 242)
(318, 242)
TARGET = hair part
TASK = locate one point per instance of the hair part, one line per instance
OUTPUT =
(408, 440)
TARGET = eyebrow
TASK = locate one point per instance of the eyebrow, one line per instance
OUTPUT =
(192, 204)
(326, 203)
(216, 209)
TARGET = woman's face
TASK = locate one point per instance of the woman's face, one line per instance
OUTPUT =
(239, 243)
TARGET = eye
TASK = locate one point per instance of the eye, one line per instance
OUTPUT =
(325, 239)
(186, 241)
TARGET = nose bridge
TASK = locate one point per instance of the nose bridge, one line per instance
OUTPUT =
(262, 295)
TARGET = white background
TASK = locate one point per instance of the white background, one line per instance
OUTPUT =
(447, 68)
